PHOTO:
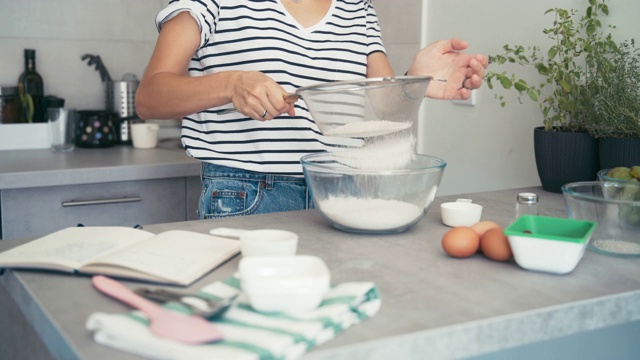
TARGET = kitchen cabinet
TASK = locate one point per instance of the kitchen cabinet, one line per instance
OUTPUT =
(39, 211)
(42, 192)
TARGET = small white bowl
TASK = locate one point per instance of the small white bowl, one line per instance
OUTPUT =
(462, 212)
(284, 283)
(268, 242)
(144, 136)
(549, 244)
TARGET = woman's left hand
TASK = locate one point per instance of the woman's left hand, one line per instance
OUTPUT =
(444, 59)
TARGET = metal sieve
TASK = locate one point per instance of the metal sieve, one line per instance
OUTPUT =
(365, 108)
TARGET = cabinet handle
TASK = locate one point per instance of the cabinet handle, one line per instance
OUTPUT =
(100, 202)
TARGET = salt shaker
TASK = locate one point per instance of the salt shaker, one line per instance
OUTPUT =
(526, 204)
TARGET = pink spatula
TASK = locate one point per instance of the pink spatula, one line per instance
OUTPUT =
(164, 323)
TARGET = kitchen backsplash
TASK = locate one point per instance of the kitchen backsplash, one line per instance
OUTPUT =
(122, 32)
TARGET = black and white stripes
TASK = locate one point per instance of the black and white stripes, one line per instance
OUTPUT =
(260, 35)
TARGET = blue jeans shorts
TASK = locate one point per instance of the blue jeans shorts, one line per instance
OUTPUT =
(234, 192)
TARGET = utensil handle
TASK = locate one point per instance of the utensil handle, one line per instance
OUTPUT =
(120, 292)
(291, 98)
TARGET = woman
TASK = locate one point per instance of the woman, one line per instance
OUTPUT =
(214, 55)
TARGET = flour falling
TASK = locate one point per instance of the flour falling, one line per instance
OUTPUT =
(368, 128)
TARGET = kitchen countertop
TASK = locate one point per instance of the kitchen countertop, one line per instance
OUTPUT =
(38, 168)
(432, 305)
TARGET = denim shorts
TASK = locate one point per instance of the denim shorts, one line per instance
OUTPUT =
(229, 191)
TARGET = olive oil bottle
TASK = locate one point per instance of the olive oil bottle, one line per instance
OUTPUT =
(32, 84)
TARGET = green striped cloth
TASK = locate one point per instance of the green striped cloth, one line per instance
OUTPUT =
(248, 334)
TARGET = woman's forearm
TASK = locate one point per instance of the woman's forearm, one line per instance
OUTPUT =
(171, 96)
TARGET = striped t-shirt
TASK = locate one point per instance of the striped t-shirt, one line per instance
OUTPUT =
(260, 35)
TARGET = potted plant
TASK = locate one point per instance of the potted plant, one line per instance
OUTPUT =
(611, 105)
(564, 150)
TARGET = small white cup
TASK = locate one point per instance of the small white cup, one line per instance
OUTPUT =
(462, 212)
(268, 242)
(144, 136)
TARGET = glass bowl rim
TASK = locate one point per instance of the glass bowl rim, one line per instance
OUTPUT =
(602, 174)
(307, 164)
(566, 190)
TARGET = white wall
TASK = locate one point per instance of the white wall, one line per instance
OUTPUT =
(487, 147)
(122, 32)
(400, 22)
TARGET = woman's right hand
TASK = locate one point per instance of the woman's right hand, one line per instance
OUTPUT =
(258, 96)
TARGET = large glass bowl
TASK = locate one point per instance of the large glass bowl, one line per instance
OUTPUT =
(615, 206)
(366, 199)
(366, 107)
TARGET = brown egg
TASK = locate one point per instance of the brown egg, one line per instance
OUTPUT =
(495, 245)
(460, 242)
(482, 226)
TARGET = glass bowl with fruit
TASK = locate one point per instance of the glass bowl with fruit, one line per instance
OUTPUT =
(620, 173)
(615, 207)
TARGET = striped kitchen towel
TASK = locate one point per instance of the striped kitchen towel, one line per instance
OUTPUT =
(248, 334)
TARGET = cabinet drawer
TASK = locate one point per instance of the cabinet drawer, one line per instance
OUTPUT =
(34, 212)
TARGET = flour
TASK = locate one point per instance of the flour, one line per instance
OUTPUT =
(387, 145)
(617, 247)
(368, 128)
(389, 152)
(370, 214)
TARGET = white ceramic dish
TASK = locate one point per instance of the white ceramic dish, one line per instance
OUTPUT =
(144, 135)
(284, 283)
(462, 212)
(548, 244)
(268, 242)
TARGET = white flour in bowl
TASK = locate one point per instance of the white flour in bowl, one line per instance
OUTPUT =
(392, 147)
(370, 214)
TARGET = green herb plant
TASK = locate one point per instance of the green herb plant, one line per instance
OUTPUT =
(611, 102)
(564, 66)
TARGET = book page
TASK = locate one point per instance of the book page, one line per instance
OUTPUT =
(72, 247)
(178, 256)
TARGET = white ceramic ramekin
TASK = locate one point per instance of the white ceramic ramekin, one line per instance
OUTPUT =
(462, 212)
(284, 283)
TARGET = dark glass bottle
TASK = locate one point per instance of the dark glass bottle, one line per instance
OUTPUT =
(32, 83)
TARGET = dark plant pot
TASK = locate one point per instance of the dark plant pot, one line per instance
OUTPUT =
(619, 152)
(564, 157)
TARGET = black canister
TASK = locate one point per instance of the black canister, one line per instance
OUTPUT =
(95, 128)
(10, 105)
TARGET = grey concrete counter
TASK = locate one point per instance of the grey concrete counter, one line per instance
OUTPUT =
(433, 306)
(38, 168)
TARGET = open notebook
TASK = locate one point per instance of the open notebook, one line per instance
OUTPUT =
(175, 257)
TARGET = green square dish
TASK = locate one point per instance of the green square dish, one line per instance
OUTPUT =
(549, 244)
